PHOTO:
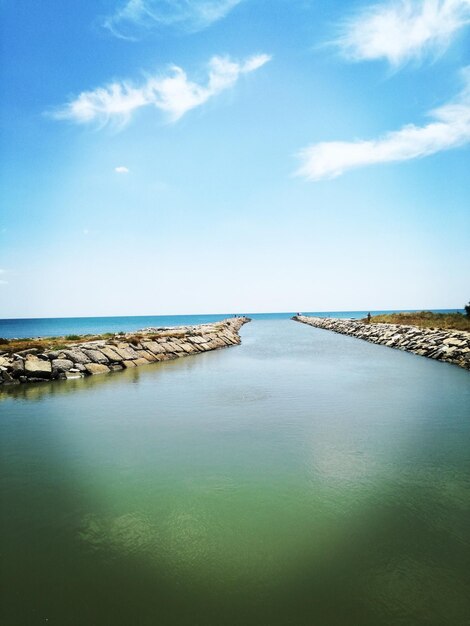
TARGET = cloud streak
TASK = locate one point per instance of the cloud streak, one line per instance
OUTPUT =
(449, 128)
(403, 30)
(121, 169)
(174, 93)
(135, 18)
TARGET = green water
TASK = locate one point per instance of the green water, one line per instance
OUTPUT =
(302, 478)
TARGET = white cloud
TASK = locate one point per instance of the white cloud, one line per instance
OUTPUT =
(134, 18)
(174, 93)
(121, 169)
(3, 282)
(450, 128)
(403, 30)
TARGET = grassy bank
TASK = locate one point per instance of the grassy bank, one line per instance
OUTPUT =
(426, 319)
(10, 346)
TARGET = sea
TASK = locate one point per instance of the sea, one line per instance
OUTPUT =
(61, 326)
(301, 478)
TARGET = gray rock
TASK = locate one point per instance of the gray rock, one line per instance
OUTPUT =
(153, 346)
(8, 379)
(451, 341)
(140, 361)
(28, 351)
(111, 354)
(77, 356)
(96, 356)
(96, 368)
(17, 368)
(61, 365)
(126, 352)
(37, 368)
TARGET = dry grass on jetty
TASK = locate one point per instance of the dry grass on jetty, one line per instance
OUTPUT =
(426, 319)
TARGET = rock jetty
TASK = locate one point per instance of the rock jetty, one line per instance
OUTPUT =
(118, 352)
(451, 346)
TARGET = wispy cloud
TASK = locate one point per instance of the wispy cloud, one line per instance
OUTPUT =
(174, 93)
(403, 30)
(134, 18)
(2, 281)
(450, 128)
(121, 169)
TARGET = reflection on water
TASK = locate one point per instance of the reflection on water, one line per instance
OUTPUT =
(300, 478)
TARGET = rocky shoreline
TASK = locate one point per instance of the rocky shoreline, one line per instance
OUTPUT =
(450, 346)
(142, 347)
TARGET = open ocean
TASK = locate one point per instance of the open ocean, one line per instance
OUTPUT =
(58, 326)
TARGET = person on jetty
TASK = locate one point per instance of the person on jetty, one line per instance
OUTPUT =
(368, 317)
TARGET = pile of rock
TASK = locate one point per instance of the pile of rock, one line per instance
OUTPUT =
(119, 352)
(451, 346)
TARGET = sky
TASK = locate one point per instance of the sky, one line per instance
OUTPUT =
(209, 156)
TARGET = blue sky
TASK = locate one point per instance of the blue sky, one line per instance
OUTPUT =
(170, 156)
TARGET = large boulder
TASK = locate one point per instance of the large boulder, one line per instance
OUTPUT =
(126, 352)
(96, 368)
(140, 361)
(8, 378)
(77, 356)
(17, 368)
(111, 354)
(37, 368)
(153, 346)
(96, 356)
(61, 365)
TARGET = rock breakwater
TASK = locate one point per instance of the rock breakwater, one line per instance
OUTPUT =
(451, 346)
(118, 352)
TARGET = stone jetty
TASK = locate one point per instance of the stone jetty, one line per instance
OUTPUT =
(118, 352)
(451, 346)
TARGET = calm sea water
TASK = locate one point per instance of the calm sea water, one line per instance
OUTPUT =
(302, 478)
(58, 326)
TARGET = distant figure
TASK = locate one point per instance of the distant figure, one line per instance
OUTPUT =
(368, 317)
